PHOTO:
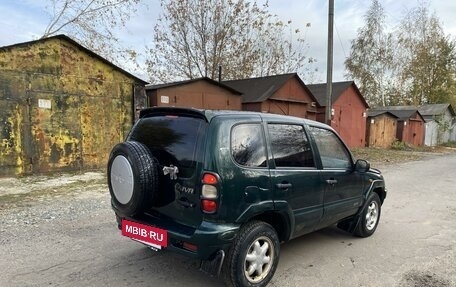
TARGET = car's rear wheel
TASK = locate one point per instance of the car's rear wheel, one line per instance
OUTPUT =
(370, 216)
(253, 258)
(132, 178)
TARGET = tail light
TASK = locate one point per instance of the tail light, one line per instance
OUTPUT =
(209, 193)
(189, 246)
(209, 206)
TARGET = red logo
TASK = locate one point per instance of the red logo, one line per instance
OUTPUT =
(145, 233)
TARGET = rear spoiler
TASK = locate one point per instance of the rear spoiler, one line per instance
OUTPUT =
(170, 111)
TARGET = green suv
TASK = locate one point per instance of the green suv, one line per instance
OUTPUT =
(228, 187)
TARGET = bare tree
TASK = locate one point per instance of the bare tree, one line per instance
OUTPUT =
(281, 49)
(92, 22)
(194, 37)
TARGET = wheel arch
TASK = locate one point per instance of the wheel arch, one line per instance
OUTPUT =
(377, 186)
(278, 221)
(381, 193)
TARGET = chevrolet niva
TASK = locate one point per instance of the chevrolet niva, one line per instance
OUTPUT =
(228, 187)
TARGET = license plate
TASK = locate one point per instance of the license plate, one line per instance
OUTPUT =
(149, 235)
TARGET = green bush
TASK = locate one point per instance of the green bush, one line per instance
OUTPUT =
(398, 145)
(450, 144)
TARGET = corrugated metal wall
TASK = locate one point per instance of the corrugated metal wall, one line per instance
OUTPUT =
(13, 122)
(349, 118)
(200, 95)
(61, 109)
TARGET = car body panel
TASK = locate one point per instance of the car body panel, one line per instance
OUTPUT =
(301, 199)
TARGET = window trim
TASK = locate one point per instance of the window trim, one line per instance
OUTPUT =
(265, 145)
(306, 134)
(317, 149)
(197, 150)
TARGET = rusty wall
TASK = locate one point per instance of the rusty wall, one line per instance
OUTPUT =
(11, 118)
(276, 107)
(293, 91)
(299, 101)
(349, 118)
(401, 130)
(296, 109)
(254, 107)
(62, 109)
(415, 134)
(200, 95)
(321, 115)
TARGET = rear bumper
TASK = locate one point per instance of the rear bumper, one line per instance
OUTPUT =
(208, 237)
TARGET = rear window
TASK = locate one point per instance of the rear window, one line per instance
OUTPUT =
(173, 140)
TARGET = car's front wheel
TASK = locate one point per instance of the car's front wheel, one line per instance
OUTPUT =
(253, 258)
(369, 217)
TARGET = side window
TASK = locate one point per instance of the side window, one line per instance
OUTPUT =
(290, 146)
(333, 153)
(248, 145)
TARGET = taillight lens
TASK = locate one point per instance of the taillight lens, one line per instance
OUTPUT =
(209, 178)
(189, 246)
(209, 193)
(209, 206)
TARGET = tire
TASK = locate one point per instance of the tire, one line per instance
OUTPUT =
(256, 241)
(370, 216)
(132, 178)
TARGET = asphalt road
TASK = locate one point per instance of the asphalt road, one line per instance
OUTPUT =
(65, 235)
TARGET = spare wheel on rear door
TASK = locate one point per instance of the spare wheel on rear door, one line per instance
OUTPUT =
(132, 178)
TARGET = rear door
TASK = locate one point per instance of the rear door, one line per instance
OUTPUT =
(243, 168)
(294, 176)
(176, 140)
(343, 185)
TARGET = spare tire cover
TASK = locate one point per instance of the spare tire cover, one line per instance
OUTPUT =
(132, 178)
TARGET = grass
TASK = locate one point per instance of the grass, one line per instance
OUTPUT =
(380, 156)
(450, 144)
(396, 154)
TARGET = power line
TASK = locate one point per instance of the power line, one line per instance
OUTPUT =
(340, 40)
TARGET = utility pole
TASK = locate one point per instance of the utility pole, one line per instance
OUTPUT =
(329, 62)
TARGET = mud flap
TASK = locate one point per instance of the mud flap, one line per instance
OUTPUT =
(119, 222)
(349, 225)
(213, 266)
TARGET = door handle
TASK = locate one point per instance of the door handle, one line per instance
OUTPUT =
(331, 181)
(284, 185)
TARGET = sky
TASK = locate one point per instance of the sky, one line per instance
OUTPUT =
(25, 20)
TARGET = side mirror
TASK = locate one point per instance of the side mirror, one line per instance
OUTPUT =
(362, 165)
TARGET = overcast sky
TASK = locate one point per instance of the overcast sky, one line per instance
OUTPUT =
(25, 20)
